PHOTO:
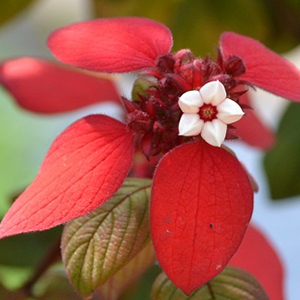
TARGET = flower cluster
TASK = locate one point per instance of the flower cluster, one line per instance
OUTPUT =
(182, 110)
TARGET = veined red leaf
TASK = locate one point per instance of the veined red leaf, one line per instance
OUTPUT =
(84, 167)
(44, 87)
(111, 44)
(232, 283)
(251, 178)
(258, 257)
(264, 68)
(113, 288)
(97, 245)
(201, 205)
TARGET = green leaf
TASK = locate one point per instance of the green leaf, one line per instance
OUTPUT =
(117, 284)
(282, 162)
(96, 246)
(10, 8)
(141, 87)
(13, 277)
(232, 283)
(54, 285)
(195, 24)
(27, 250)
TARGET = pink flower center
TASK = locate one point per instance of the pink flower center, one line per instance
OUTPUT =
(208, 112)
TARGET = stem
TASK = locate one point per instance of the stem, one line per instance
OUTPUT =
(211, 291)
(51, 257)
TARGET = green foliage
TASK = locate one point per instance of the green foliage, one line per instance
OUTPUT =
(282, 163)
(27, 250)
(54, 285)
(232, 283)
(198, 24)
(284, 26)
(195, 24)
(97, 245)
(10, 8)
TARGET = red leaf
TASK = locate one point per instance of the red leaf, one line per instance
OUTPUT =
(112, 44)
(258, 257)
(201, 205)
(44, 87)
(251, 129)
(84, 167)
(264, 68)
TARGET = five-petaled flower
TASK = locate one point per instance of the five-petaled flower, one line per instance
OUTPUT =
(208, 112)
(202, 198)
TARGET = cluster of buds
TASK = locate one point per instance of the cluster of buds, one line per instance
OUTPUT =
(184, 96)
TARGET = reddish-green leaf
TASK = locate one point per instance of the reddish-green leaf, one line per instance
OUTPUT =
(231, 284)
(201, 205)
(96, 246)
(117, 284)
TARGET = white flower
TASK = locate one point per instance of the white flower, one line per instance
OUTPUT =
(207, 112)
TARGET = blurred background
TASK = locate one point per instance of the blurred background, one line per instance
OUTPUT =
(25, 137)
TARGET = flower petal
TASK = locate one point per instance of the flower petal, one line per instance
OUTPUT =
(111, 44)
(190, 125)
(257, 256)
(264, 68)
(199, 213)
(84, 167)
(190, 101)
(251, 129)
(229, 111)
(213, 92)
(214, 132)
(44, 87)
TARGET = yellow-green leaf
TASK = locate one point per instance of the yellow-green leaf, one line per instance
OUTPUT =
(117, 284)
(232, 283)
(96, 246)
